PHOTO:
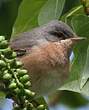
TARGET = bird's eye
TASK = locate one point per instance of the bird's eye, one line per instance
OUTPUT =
(20, 52)
(60, 34)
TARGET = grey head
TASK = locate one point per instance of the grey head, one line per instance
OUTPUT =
(58, 30)
(51, 32)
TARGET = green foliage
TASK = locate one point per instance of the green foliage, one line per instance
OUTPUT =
(79, 70)
(27, 15)
(69, 4)
(50, 11)
(8, 14)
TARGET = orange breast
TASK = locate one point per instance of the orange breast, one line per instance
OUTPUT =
(47, 64)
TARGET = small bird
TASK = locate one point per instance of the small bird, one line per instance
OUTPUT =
(45, 52)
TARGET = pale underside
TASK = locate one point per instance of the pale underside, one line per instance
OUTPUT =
(48, 67)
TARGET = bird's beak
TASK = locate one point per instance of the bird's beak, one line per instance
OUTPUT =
(78, 38)
(75, 40)
(72, 41)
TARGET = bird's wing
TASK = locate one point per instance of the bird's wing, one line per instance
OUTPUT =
(27, 40)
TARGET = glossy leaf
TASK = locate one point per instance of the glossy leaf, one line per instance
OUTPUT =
(79, 70)
(85, 74)
(69, 4)
(80, 49)
(74, 86)
(8, 14)
(71, 13)
(28, 15)
(51, 10)
(80, 25)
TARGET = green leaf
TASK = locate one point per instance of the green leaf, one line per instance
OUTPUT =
(71, 13)
(8, 14)
(69, 4)
(85, 74)
(71, 86)
(85, 89)
(72, 99)
(75, 87)
(27, 15)
(51, 10)
(80, 25)
(2, 95)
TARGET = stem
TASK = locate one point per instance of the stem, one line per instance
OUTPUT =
(72, 12)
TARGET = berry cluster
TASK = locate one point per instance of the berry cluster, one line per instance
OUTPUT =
(15, 80)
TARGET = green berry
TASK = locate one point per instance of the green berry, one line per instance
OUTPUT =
(30, 105)
(29, 93)
(2, 38)
(41, 107)
(20, 85)
(24, 78)
(13, 85)
(5, 72)
(14, 55)
(18, 64)
(7, 52)
(25, 108)
(17, 90)
(7, 76)
(27, 84)
(2, 64)
(12, 62)
(3, 44)
(22, 72)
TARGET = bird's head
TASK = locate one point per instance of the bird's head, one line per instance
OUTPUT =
(58, 30)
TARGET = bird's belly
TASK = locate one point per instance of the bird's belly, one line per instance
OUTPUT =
(49, 83)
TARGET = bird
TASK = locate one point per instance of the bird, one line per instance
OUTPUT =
(44, 52)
